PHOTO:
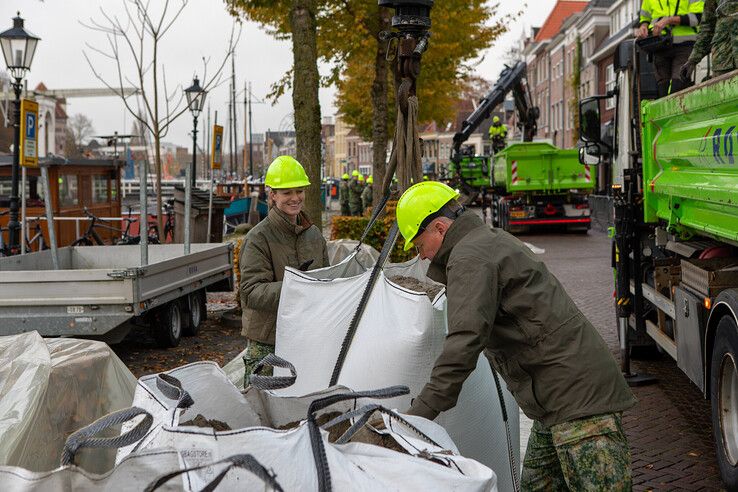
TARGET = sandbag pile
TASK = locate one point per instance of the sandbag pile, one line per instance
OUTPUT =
(315, 441)
(332, 439)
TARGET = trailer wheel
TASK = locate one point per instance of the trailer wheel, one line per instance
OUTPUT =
(168, 328)
(724, 397)
(198, 312)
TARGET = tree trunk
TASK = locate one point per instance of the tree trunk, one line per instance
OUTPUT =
(305, 101)
(379, 108)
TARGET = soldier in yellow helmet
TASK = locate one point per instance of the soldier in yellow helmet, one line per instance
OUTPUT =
(285, 238)
(355, 190)
(503, 302)
(343, 195)
(498, 134)
(366, 195)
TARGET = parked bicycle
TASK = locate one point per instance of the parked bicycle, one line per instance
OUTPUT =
(128, 238)
(37, 242)
(91, 236)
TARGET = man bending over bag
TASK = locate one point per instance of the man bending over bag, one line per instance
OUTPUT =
(504, 302)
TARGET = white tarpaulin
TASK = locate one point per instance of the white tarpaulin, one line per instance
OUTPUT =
(397, 342)
(49, 388)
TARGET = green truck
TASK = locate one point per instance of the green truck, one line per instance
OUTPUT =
(527, 184)
(675, 249)
(536, 183)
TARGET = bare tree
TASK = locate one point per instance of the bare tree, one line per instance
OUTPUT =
(139, 36)
(81, 129)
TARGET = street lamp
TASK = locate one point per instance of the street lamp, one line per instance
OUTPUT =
(195, 101)
(18, 47)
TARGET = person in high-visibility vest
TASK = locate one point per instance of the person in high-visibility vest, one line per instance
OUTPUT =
(719, 35)
(681, 18)
(498, 134)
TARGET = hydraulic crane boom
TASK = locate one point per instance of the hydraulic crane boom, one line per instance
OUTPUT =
(511, 79)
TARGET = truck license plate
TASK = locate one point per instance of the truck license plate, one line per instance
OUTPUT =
(75, 309)
(517, 215)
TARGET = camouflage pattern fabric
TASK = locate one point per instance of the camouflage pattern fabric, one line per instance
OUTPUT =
(255, 351)
(355, 190)
(584, 454)
(366, 197)
(343, 198)
(719, 34)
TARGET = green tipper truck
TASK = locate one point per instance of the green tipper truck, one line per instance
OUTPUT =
(536, 183)
(528, 183)
(675, 204)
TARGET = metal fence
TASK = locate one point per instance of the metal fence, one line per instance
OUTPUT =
(601, 212)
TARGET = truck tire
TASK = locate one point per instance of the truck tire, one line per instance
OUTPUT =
(724, 398)
(168, 324)
(197, 312)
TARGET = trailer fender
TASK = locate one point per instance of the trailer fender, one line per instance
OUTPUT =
(726, 304)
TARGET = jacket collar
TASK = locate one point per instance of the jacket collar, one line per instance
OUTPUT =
(282, 221)
(465, 223)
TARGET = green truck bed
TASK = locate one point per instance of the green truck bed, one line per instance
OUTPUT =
(689, 169)
(542, 168)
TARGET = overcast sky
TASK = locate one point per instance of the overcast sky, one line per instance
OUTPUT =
(201, 31)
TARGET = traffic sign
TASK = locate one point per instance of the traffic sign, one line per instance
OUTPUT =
(217, 149)
(29, 133)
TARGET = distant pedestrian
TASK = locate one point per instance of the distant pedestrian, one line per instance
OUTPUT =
(366, 195)
(286, 238)
(343, 195)
(355, 194)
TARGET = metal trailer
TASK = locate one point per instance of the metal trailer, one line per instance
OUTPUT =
(99, 290)
(675, 197)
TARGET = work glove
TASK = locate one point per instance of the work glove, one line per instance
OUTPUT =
(686, 71)
(305, 265)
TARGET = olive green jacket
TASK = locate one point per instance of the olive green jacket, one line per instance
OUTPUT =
(275, 243)
(503, 301)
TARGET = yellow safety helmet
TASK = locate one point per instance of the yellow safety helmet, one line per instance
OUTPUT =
(345, 176)
(496, 119)
(285, 172)
(355, 173)
(370, 179)
(361, 178)
(419, 202)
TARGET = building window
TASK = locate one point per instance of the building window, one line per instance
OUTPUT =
(99, 189)
(609, 85)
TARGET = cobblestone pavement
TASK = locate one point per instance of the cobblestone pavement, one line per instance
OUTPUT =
(669, 430)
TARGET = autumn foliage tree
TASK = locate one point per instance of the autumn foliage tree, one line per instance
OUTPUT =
(348, 41)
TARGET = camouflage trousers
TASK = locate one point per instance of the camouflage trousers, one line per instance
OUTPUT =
(255, 351)
(584, 454)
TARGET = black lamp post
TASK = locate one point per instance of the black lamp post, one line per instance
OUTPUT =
(18, 47)
(195, 101)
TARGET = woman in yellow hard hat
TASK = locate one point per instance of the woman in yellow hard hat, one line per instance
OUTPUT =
(286, 238)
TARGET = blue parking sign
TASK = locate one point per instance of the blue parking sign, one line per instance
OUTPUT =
(29, 131)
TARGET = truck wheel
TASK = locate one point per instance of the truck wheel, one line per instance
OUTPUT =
(724, 397)
(197, 311)
(168, 328)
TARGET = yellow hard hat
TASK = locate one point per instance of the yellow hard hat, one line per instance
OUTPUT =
(496, 119)
(370, 179)
(425, 178)
(417, 203)
(355, 173)
(285, 172)
(361, 177)
(345, 176)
